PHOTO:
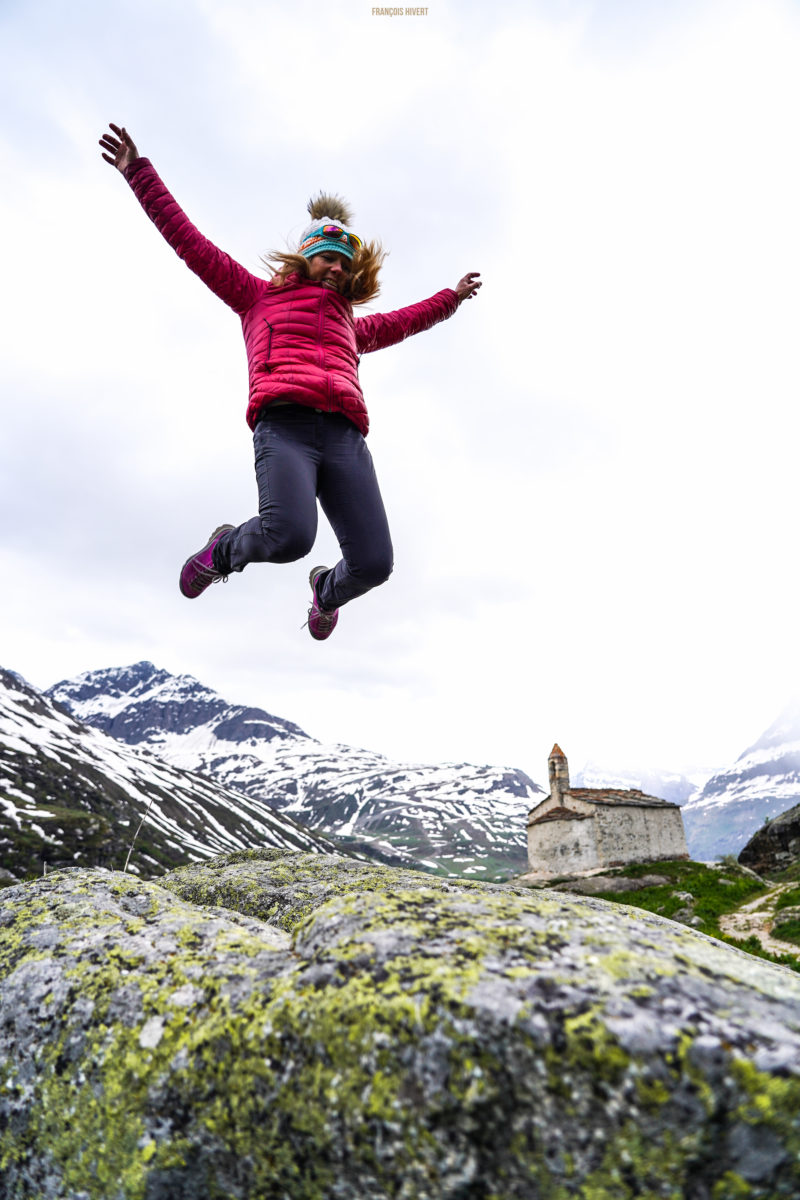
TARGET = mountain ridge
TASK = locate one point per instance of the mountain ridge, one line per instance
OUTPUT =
(762, 783)
(70, 793)
(452, 818)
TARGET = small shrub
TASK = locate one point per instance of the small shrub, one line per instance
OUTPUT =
(710, 898)
(788, 931)
(790, 899)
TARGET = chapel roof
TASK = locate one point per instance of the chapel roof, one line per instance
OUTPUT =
(612, 795)
(601, 798)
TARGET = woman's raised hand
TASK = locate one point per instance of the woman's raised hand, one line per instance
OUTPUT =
(467, 287)
(121, 146)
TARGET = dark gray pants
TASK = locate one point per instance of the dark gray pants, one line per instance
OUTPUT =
(302, 454)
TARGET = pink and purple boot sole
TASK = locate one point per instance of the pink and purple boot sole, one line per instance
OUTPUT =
(321, 623)
(198, 572)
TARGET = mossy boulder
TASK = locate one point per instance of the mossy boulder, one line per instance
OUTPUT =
(300, 1027)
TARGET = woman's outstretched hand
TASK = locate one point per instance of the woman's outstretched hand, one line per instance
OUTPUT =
(467, 287)
(121, 145)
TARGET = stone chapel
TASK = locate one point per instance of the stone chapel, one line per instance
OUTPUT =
(576, 831)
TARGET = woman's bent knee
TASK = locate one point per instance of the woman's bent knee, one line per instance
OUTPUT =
(289, 549)
(269, 545)
(374, 571)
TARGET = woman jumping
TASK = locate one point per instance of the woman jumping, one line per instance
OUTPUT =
(306, 408)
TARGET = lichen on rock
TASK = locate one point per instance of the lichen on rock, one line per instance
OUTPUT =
(310, 1027)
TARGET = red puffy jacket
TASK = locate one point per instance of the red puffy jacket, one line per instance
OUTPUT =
(302, 340)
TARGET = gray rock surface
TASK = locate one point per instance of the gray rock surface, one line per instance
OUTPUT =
(776, 845)
(273, 1025)
(611, 883)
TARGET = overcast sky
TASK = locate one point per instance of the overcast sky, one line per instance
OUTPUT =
(590, 470)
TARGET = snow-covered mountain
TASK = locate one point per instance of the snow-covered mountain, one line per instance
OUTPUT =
(71, 794)
(457, 819)
(762, 783)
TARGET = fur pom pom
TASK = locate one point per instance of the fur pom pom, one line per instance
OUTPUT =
(324, 205)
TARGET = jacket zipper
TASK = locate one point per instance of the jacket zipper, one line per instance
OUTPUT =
(329, 382)
(265, 364)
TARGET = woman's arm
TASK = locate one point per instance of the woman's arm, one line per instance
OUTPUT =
(386, 329)
(218, 271)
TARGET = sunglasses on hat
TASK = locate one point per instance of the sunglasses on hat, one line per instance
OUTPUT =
(340, 235)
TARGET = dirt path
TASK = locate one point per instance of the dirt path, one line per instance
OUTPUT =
(757, 918)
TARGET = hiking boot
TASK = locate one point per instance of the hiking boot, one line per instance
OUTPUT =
(199, 570)
(321, 623)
